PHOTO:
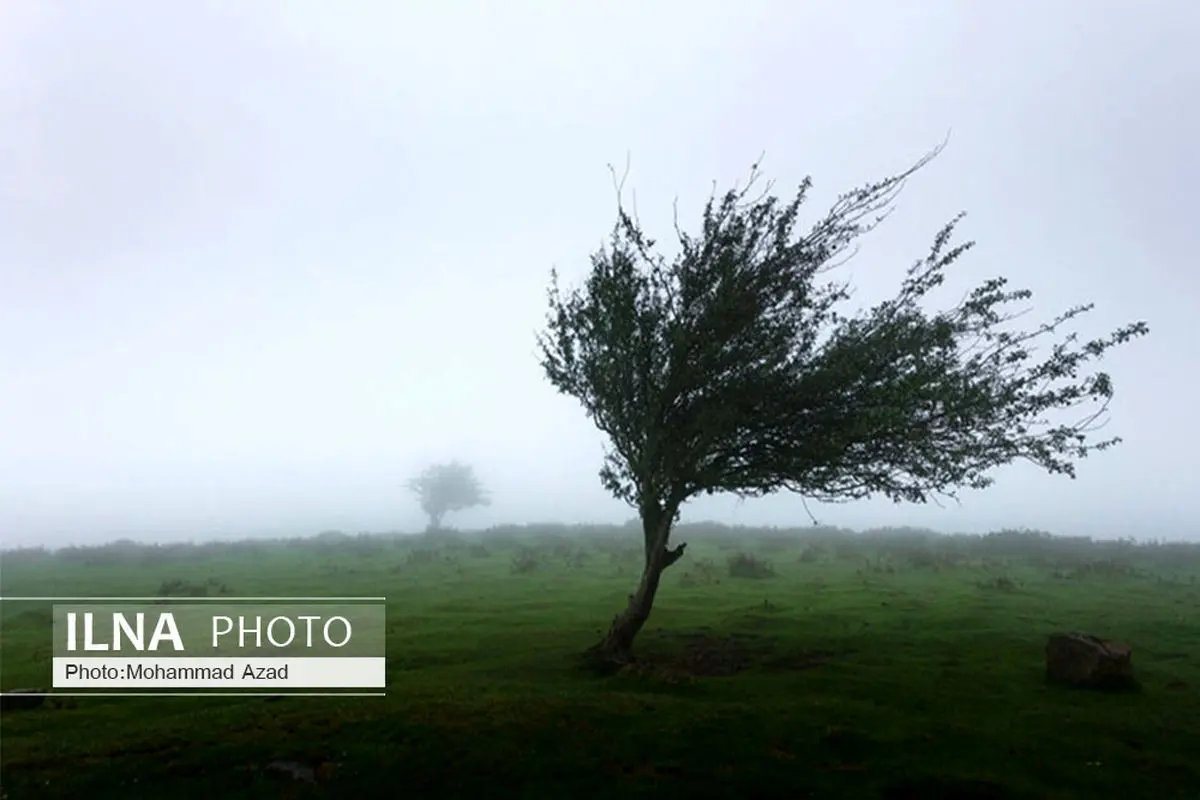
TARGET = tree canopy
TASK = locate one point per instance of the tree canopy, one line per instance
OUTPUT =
(445, 488)
(737, 366)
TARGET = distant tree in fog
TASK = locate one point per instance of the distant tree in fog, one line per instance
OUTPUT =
(445, 488)
(735, 367)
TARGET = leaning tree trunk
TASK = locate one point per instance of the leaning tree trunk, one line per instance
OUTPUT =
(616, 648)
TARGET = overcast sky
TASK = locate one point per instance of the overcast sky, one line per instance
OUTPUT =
(261, 261)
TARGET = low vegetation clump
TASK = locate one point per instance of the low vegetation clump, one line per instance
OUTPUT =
(422, 556)
(811, 554)
(1001, 583)
(525, 561)
(745, 565)
(178, 587)
(703, 572)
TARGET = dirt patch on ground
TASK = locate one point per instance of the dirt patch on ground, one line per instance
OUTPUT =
(715, 656)
(800, 659)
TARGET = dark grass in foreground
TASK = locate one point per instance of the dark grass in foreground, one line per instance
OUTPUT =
(807, 663)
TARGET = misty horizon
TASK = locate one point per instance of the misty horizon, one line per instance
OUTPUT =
(261, 264)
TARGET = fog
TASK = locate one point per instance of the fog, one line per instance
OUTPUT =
(261, 262)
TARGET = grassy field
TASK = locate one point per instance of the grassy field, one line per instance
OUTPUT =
(807, 663)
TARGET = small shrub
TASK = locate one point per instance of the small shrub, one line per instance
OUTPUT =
(1105, 568)
(920, 558)
(421, 556)
(878, 567)
(556, 545)
(744, 565)
(182, 588)
(620, 552)
(702, 573)
(810, 554)
(363, 545)
(525, 561)
(1000, 583)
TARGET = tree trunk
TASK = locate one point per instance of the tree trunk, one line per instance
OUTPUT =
(616, 648)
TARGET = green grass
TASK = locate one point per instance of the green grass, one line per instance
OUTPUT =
(866, 660)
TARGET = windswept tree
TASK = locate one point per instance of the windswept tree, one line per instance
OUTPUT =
(736, 367)
(445, 488)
